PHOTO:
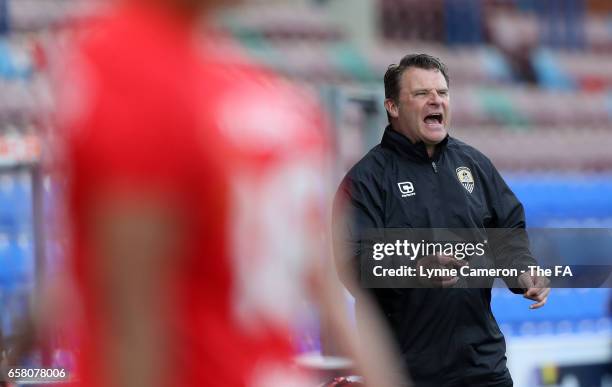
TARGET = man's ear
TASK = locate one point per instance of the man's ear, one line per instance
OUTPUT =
(391, 107)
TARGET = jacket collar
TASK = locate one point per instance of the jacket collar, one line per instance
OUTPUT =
(399, 143)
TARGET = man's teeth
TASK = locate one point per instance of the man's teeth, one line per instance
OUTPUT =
(433, 119)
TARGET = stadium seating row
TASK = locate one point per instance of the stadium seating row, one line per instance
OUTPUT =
(266, 30)
(529, 107)
(542, 149)
(568, 311)
(34, 15)
(556, 196)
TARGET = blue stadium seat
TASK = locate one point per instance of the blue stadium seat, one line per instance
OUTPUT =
(16, 261)
(567, 311)
(548, 198)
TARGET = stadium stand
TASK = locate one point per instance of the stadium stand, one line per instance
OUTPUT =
(533, 89)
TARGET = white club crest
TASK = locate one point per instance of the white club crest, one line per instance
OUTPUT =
(465, 178)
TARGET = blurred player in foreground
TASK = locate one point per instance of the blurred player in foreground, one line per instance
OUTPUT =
(194, 197)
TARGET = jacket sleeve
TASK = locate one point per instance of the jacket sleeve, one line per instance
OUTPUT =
(358, 206)
(508, 238)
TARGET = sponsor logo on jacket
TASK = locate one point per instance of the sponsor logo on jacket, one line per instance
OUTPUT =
(406, 189)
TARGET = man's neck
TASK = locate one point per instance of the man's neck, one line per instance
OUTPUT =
(430, 148)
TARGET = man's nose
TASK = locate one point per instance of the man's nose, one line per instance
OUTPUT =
(435, 98)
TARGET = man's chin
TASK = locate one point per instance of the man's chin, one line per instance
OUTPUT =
(434, 138)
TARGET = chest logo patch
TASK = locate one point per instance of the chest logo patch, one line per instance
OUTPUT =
(465, 178)
(406, 189)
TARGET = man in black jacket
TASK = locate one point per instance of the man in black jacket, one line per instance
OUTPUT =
(420, 177)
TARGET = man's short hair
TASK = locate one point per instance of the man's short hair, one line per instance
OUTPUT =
(394, 73)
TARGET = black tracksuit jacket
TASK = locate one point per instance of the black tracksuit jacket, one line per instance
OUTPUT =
(447, 337)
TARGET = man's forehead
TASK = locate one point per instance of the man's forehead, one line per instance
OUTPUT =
(416, 78)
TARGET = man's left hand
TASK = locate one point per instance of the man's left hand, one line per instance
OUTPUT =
(537, 287)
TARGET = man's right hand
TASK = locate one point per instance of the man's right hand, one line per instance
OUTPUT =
(439, 262)
(537, 288)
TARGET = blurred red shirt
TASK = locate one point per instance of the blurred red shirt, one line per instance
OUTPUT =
(240, 153)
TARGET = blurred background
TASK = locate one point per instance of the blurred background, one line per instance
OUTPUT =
(531, 87)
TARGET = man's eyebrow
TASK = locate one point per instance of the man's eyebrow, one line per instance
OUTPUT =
(441, 89)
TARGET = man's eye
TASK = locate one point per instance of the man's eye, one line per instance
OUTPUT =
(420, 93)
(443, 92)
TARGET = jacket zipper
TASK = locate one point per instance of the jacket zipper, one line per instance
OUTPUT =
(435, 167)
